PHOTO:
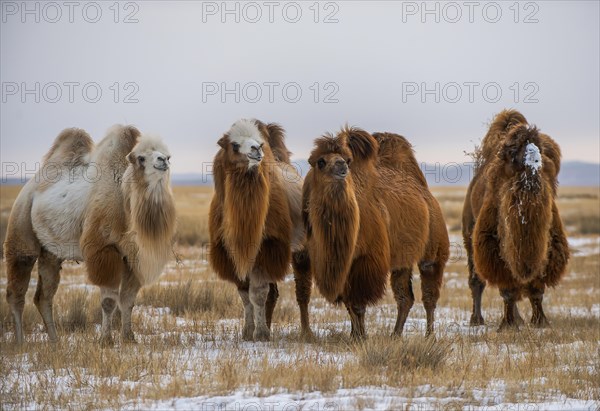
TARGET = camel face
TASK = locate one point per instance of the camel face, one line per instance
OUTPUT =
(331, 159)
(333, 166)
(151, 158)
(521, 151)
(244, 144)
(533, 157)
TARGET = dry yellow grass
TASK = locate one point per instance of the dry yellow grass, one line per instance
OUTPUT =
(189, 351)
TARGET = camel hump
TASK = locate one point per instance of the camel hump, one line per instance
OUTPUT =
(493, 140)
(551, 149)
(396, 152)
(276, 138)
(119, 141)
(507, 119)
(71, 147)
(362, 144)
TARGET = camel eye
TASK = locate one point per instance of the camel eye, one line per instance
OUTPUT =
(321, 163)
(168, 158)
(348, 161)
(236, 147)
(141, 159)
(261, 146)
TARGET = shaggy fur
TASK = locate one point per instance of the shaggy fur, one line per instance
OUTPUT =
(377, 217)
(511, 227)
(120, 221)
(255, 217)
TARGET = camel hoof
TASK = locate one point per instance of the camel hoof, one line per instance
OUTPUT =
(358, 337)
(476, 320)
(107, 341)
(307, 336)
(262, 334)
(541, 322)
(129, 338)
(248, 334)
(396, 334)
(506, 326)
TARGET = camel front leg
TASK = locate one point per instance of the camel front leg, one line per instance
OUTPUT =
(258, 293)
(130, 286)
(49, 277)
(248, 331)
(271, 302)
(357, 319)
(535, 292)
(510, 300)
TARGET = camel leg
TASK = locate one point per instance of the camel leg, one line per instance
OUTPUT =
(535, 292)
(431, 281)
(509, 295)
(258, 293)
(49, 277)
(301, 264)
(357, 319)
(403, 293)
(248, 331)
(477, 286)
(130, 286)
(271, 303)
(109, 299)
(518, 319)
(19, 274)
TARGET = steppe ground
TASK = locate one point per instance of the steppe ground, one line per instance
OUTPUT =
(190, 355)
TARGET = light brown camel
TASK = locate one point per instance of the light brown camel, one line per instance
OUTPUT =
(110, 206)
(511, 227)
(255, 218)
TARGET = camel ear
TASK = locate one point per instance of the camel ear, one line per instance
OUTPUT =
(223, 141)
(131, 158)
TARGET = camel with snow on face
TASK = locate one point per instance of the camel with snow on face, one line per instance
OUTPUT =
(511, 226)
(110, 206)
(255, 221)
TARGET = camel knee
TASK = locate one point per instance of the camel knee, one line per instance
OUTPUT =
(258, 294)
(108, 305)
(19, 274)
(401, 281)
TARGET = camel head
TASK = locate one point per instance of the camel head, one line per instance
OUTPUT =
(331, 158)
(522, 151)
(244, 144)
(150, 158)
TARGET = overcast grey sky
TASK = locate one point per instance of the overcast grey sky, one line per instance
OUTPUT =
(177, 63)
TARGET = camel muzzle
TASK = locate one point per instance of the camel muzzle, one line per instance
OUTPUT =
(163, 166)
(340, 169)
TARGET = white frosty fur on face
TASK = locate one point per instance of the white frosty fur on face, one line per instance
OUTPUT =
(156, 155)
(245, 133)
(533, 157)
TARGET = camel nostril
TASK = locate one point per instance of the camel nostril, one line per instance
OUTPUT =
(163, 159)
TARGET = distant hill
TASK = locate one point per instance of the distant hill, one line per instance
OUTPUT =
(572, 173)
